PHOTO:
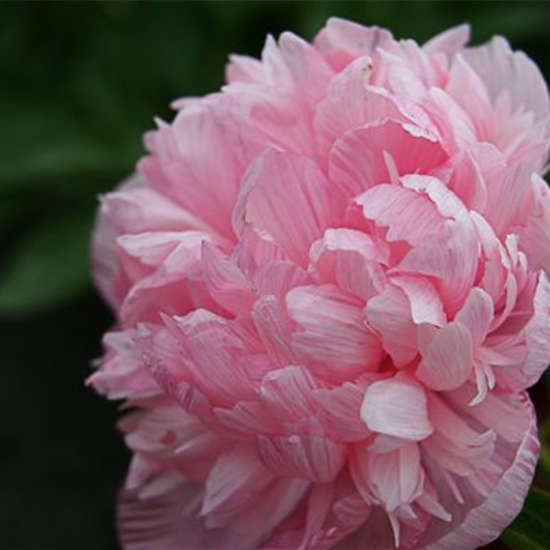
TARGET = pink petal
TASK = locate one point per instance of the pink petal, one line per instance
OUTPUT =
(277, 278)
(356, 161)
(226, 282)
(288, 394)
(342, 406)
(351, 260)
(391, 479)
(237, 477)
(449, 42)
(285, 198)
(477, 314)
(500, 68)
(341, 41)
(313, 458)
(426, 305)
(274, 328)
(449, 359)
(408, 215)
(122, 373)
(242, 68)
(331, 332)
(397, 407)
(181, 166)
(212, 351)
(534, 234)
(537, 334)
(451, 256)
(485, 521)
(166, 522)
(389, 314)
(350, 103)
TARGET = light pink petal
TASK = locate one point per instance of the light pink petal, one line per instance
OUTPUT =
(426, 305)
(389, 314)
(242, 68)
(537, 334)
(226, 282)
(166, 522)
(515, 184)
(391, 479)
(288, 394)
(471, 170)
(351, 103)
(106, 272)
(181, 166)
(122, 372)
(341, 41)
(212, 351)
(169, 288)
(407, 71)
(468, 90)
(448, 361)
(279, 277)
(487, 518)
(534, 234)
(297, 67)
(501, 69)
(342, 407)
(313, 458)
(451, 121)
(285, 199)
(449, 42)
(331, 333)
(508, 415)
(248, 417)
(142, 209)
(357, 160)
(451, 257)
(397, 407)
(408, 215)
(267, 512)
(237, 477)
(477, 314)
(351, 260)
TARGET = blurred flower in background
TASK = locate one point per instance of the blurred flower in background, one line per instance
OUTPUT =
(79, 85)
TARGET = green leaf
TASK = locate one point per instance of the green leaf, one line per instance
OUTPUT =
(49, 144)
(531, 529)
(49, 266)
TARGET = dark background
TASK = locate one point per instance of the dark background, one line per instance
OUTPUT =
(79, 84)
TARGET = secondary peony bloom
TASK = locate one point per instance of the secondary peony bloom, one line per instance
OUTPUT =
(331, 290)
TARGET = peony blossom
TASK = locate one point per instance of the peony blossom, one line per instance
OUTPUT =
(330, 282)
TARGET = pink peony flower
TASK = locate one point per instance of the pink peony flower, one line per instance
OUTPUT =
(331, 289)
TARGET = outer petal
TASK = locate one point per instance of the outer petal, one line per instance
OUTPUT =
(502, 69)
(341, 41)
(449, 42)
(534, 234)
(537, 333)
(166, 522)
(486, 521)
(181, 166)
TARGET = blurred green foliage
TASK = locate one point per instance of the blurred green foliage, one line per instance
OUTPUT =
(531, 530)
(81, 82)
